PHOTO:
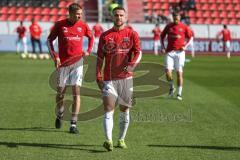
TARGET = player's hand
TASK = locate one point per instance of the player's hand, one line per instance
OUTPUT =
(128, 69)
(57, 63)
(100, 85)
(163, 51)
(85, 54)
(183, 48)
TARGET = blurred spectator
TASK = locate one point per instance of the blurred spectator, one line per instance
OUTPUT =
(97, 31)
(35, 32)
(22, 39)
(183, 4)
(192, 5)
(112, 5)
(225, 35)
(185, 18)
(156, 38)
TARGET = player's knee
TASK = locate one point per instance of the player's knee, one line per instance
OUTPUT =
(60, 96)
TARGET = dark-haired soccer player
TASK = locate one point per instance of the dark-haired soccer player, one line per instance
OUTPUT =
(119, 48)
(226, 38)
(178, 37)
(69, 60)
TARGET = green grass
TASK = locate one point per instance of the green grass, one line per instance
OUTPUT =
(204, 126)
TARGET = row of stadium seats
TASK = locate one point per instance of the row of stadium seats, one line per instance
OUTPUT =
(213, 12)
(17, 10)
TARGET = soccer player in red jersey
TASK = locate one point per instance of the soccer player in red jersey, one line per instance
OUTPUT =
(22, 39)
(226, 38)
(178, 37)
(156, 37)
(69, 60)
(97, 30)
(119, 48)
(35, 32)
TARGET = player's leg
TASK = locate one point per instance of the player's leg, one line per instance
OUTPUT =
(179, 64)
(109, 104)
(62, 77)
(33, 45)
(18, 45)
(155, 47)
(228, 48)
(59, 106)
(75, 80)
(124, 120)
(75, 109)
(169, 65)
(109, 96)
(192, 48)
(25, 45)
(125, 100)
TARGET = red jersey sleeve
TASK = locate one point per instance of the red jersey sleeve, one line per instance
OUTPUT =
(188, 35)
(88, 33)
(136, 51)
(100, 58)
(163, 35)
(52, 36)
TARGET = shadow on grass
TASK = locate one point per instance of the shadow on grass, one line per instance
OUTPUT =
(223, 148)
(41, 129)
(81, 147)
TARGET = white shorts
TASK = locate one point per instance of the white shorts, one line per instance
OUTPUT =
(71, 75)
(175, 60)
(121, 90)
(227, 45)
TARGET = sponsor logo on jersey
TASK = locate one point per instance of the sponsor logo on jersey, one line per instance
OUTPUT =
(65, 30)
(79, 29)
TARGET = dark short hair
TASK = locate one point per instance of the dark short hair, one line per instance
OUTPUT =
(224, 26)
(175, 14)
(118, 8)
(74, 7)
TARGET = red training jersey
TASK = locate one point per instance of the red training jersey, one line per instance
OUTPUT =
(176, 36)
(70, 41)
(98, 30)
(226, 35)
(21, 30)
(156, 33)
(119, 48)
(35, 30)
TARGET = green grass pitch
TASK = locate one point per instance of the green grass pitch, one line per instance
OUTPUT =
(204, 126)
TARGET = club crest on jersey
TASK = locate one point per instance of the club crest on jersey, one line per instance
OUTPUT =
(65, 29)
(126, 39)
(180, 30)
(79, 29)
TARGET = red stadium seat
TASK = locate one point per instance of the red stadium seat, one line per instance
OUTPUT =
(54, 11)
(12, 17)
(215, 14)
(62, 4)
(63, 11)
(225, 21)
(54, 18)
(221, 7)
(12, 10)
(28, 17)
(230, 7)
(20, 10)
(45, 18)
(237, 7)
(46, 11)
(208, 21)
(20, 17)
(206, 14)
(216, 21)
(233, 21)
(4, 10)
(191, 14)
(3, 17)
(29, 10)
(231, 14)
(223, 14)
(213, 6)
(199, 13)
(205, 6)
(37, 10)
